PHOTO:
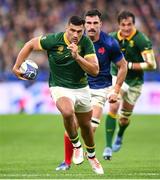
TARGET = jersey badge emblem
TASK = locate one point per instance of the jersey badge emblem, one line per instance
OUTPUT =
(131, 43)
(60, 49)
(101, 50)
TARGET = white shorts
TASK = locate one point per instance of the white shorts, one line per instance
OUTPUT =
(99, 96)
(124, 86)
(132, 95)
(129, 93)
(81, 97)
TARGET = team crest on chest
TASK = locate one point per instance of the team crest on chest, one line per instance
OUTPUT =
(131, 43)
(60, 49)
(101, 50)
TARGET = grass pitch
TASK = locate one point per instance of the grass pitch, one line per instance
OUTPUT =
(31, 147)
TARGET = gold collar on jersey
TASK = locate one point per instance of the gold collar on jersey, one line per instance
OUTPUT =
(128, 38)
(66, 40)
(68, 43)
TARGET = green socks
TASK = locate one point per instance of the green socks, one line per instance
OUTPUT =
(110, 126)
(122, 129)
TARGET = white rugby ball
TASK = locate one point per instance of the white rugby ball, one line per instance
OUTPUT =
(29, 69)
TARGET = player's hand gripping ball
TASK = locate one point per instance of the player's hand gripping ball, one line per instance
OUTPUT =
(29, 69)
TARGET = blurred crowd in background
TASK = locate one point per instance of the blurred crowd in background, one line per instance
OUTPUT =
(21, 20)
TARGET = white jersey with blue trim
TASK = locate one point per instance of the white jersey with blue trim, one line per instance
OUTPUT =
(107, 51)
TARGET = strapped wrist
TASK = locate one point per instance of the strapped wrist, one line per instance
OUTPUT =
(114, 92)
(130, 64)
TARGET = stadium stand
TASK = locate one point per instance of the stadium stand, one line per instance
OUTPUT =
(21, 20)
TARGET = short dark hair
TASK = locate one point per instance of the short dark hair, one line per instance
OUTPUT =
(124, 15)
(76, 20)
(93, 12)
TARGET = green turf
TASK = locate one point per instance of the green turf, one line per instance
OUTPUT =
(32, 146)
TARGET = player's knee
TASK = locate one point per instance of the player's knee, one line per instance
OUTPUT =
(95, 122)
(67, 113)
(123, 121)
(113, 108)
(85, 126)
(125, 116)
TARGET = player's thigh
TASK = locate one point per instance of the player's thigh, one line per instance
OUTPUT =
(84, 118)
(65, 106)
(83, 107)
(124, 87)
(83, 100)
(97, 112)
(113, 107)
(99, 96)
(64, 99)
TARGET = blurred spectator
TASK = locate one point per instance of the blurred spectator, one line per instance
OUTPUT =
(22, 20)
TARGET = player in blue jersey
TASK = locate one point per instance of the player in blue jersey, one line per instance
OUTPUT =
(107, 51)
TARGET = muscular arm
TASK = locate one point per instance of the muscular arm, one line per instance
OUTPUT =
(89, 63)
(31, 45)
(148, 64)
(121, 75)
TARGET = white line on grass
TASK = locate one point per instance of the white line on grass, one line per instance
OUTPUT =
(74, 174)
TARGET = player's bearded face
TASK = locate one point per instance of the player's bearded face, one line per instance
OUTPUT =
(74, 33)
(92, 25)
(126, 27)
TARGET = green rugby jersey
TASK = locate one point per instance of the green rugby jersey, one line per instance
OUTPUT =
(132, 47)
(64, 70)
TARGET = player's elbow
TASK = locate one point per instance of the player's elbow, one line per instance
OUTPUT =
(33, 44)
(95, 71)
(125, 64)
(148, 66)
(95, 74)
(152, 66)
(13, 69)
(122, 65)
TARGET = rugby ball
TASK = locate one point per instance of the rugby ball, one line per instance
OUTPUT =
(29, 69)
